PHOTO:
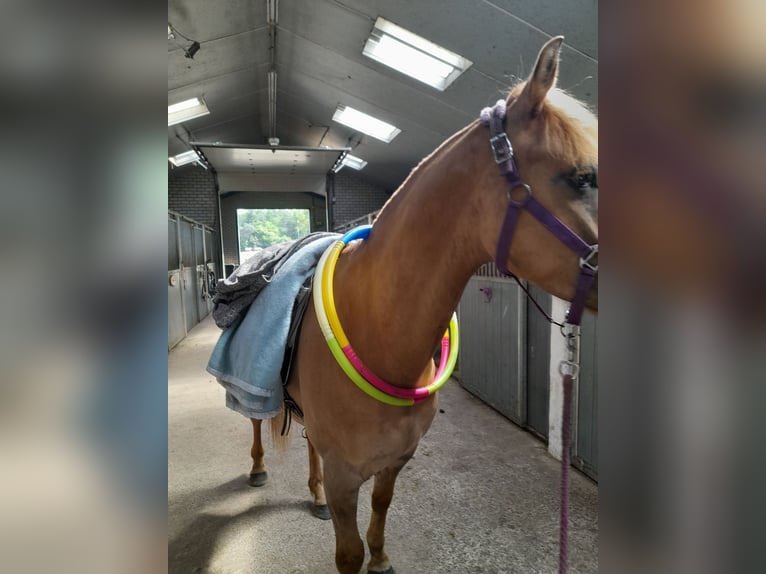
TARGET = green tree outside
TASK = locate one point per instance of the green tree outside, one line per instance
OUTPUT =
(264, 227)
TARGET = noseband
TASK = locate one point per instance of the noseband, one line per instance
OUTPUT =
(494, 118)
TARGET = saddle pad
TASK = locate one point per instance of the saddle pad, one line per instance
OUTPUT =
(250, 354)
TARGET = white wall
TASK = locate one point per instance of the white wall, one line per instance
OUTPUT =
(556, 396)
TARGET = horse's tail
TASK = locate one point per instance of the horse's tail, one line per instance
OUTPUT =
(280, 430)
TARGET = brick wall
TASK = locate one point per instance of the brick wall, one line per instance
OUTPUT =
(354, 197)
(192, 192)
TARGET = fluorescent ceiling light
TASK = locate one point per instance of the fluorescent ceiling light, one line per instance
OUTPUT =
(413, 55)
(353, 162)
(364, 123)
(186, 110)
(268, 159)
(184, 158)
(272, 7)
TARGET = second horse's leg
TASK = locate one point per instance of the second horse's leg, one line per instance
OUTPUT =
(316, 484)
(258, 476)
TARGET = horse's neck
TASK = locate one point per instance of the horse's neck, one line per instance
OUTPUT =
(396, 292)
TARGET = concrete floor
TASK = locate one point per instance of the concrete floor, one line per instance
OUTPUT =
(480, 495)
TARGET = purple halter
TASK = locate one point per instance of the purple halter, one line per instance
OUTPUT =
(494, 118)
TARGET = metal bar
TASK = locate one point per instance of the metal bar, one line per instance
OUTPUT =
(521, 353)
(181, 274)
(272, 12)
(195, 295)
(368, 219)
(329, 191)
(272, 83)
(268, 147)
(205, 287)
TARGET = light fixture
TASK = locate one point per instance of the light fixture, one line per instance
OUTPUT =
(272, 12)
(272, 95)
(353, 162)
(348, 160)
(365, 123)
(413, 55)
(187, 110)
(190, 156)
(191, 50)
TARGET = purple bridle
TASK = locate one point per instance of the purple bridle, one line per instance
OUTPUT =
(494, 118)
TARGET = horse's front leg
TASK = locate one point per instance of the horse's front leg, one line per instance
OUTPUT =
(382, 493)
(258, 475)
(342, 490)
(316, 484)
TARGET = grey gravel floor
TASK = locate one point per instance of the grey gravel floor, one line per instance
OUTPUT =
(480, 495)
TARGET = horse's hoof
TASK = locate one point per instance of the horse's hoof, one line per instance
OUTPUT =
(389, 571)
(321, 511)
(258, 478)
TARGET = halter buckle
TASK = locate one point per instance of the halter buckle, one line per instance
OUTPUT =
(585, 262)
(501, 148)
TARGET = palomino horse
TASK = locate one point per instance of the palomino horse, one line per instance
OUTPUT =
(395, 292)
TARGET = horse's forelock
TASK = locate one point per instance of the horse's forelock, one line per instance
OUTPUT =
(571, 129)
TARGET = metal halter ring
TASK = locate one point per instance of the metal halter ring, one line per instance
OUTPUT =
(585, 262)
(569, 331)
(526, 197)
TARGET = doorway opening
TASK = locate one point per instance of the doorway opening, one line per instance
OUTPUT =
(259, 228)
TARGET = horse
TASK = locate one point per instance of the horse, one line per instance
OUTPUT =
(396, 291)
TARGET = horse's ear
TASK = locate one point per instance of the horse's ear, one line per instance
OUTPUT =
(543, 76)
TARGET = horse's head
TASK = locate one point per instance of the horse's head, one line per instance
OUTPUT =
(555, 145)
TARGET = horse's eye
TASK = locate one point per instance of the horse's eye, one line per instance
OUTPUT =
(582, 181)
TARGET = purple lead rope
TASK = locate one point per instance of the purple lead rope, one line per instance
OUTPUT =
(566, 430)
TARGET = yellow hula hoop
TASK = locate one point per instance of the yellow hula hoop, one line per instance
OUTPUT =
(340, 347)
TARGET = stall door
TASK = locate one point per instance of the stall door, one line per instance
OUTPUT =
(493, 341)
(176, 330)
(538, 362)
(585, 455)
(188, 272)
(200, 276)
(210, 259)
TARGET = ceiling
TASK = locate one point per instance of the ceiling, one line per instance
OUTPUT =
(319, 64)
